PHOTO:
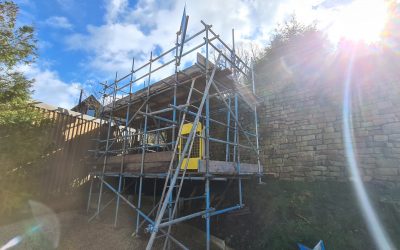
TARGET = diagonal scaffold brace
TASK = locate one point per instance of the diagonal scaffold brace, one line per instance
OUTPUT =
(177, 169)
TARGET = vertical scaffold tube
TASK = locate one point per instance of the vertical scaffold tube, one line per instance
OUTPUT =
(107, 145)
(238, 148)
(207, 151)
(90, 193)
(228, 124)
(144, 145)
(256, 124)
(124, 145)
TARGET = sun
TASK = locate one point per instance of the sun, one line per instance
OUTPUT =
(362, 20)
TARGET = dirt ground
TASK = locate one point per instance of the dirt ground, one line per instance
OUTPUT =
(71, 230)
(279, 215)
(74, 231)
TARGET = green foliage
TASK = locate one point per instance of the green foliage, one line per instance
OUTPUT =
(23, 150)
(284, 213)
(17, 44)
(17, 47)
(22, 128)
(14, 98)
(302, 53)
(391, 32)
(296, 51)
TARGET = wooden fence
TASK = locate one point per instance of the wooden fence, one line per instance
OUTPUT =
(71, 136)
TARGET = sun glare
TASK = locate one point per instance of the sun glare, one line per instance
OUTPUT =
(362, 20)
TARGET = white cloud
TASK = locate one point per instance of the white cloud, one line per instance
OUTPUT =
(50, 89)
(134, 31)
(58, 22)
(66, 4)
(43, 44)
(114, 9)
(111, 44)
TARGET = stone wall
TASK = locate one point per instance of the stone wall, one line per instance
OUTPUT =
(301, 130)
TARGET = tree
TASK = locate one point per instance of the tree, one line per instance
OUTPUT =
(17, 47)
(21, 127)
(391, 32)
(296, 51)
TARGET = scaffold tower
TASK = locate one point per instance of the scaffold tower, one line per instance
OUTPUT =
(178, 117)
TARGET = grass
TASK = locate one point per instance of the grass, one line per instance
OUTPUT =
(285, 213)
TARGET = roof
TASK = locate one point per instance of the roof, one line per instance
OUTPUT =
(163, 89)
(91, 100)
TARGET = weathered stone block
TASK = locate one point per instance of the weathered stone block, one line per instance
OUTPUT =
(329, 129)
(315, 173)
(307, 131)
(361, 132)
(367, 159)
(334, 174)
(338, 140)
(367, 178)
(380, 138)
(394, 138)
(286, 169)
(287, 146)
(332, 135)
(307, 148)
(321, 168)
(309, 127)
(314, 142)
(387, 163)
(392, 127)
(277, 161)
(387, 171)
(379, 144)
(305, 156)
(334, 168)
(308, 137)
(335, 146)
(322, 147)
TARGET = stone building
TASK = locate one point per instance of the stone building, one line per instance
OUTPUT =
(302, 123)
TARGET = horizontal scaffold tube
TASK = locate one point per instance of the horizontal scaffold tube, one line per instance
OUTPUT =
(184, 218)
(221, 141)
(225, 45)
(225, 210)
(230, 143)
(157, 117)
(211, 120)
(160, 67)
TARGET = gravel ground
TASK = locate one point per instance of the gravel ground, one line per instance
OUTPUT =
(73, 232)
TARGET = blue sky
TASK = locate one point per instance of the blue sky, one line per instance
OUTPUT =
(84, 42)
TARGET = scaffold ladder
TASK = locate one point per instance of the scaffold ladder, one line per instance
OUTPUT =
(167, 194)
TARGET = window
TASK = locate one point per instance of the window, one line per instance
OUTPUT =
(91, 112)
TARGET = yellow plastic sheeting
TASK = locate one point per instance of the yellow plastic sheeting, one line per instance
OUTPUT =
(197, 149)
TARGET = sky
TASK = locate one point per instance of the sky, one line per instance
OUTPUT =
(82, 43)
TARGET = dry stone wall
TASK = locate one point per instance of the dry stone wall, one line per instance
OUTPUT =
(301, 130)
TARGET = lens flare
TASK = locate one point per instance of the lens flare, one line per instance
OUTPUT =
(47, 220)
(45, 223)
(362, 20)
(375, 228)
(12, 243)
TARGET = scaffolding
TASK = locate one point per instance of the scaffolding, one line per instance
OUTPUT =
(157, 131)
